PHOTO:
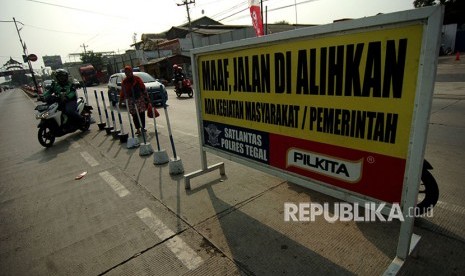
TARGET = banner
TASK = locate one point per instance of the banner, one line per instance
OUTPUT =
(342, 109)
(335, 109)
(256, 15)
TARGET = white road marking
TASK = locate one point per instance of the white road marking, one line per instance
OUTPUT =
(181, 249)
(114, 184)
(89, 159)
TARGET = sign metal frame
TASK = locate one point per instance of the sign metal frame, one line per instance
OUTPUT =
(431, 20)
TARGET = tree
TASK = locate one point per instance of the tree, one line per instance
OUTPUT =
(454, 13)
(454, 9)
(93, 58)
(423, 3)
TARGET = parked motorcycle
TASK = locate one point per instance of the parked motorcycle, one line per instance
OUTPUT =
(428, 194)
(54, 123)
(185, 89)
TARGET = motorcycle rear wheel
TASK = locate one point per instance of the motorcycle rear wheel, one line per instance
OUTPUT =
(428, 193)
(190, 93)
(85, 126)
(45, 136)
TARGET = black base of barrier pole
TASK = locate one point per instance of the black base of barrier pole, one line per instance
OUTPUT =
(108, 130)
(123, 138)
(115, 133)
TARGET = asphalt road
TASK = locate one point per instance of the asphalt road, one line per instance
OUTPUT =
(130, 217)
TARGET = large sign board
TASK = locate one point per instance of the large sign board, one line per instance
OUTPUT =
(53, 61)
(333, 105)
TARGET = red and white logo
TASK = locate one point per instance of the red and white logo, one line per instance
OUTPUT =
(345, 170)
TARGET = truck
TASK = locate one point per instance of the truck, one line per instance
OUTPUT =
(84, 74)
(88, 75)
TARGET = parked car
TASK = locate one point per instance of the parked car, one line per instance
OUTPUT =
(151, 84)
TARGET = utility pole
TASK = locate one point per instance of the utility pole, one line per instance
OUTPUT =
(187, 3)
(84, 46)
(134, 39)
(26, 56)
(295, 7)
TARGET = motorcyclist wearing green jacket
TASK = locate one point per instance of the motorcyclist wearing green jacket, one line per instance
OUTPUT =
(66, 92)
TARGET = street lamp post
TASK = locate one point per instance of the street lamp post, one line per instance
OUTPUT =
(27, 56)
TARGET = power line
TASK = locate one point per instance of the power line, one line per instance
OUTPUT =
(10, 21)
(41, 28)
(208, 3)
(269, 10)
(77, 9)
(291, 5)
(57, 31)
(239, 5)
(233, 14)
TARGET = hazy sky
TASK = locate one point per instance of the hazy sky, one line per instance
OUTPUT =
(61, 27)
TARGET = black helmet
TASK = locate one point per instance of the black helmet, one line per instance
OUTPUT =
(61, 75)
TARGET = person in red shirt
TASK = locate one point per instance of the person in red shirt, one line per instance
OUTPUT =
(133, 89)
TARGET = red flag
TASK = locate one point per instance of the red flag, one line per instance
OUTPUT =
(256, 17)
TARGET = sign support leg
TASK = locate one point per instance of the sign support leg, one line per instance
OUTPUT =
(205, 169)
(397, 263)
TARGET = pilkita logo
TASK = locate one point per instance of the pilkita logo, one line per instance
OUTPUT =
(345, 170)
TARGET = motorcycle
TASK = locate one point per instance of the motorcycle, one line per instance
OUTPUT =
(54, 123)
(428, 194)
(186, 88)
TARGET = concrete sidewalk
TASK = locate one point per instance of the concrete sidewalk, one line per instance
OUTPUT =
(131, 217)
(443, 236)
(241, 216)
